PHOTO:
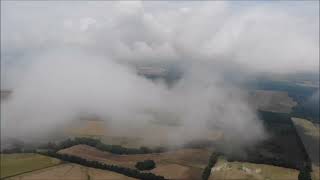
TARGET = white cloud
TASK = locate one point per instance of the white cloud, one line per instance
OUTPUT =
(75, 58)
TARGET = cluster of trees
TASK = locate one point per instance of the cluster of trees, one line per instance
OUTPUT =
(305, 171)
(283, 136)
(17, 146)
(145, 165)
(274, 117)
(280, 157)
(17, 150)
(115, 149)
(277, 159)
(306, 168)
(95, 164)
(212, 161)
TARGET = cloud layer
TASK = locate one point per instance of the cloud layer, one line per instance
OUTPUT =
(63, 59)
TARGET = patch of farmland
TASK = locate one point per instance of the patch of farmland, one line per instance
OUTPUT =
(309, 129)
(315, 174)
(150, 135)
(224, 170)
(189, 161)
(273, 101)
(190, 157)
(171, 171)
(12, 164)
(310, 137)
(71, 172)
(176, 171)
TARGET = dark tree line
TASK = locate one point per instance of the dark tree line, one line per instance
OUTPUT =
(279, 125)
(17, 146)
(212, 161)
(145, 165)
(17, 150)
(95, 164)
(305, 172)
(115, 149)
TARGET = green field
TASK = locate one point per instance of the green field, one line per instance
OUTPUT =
(13, 164)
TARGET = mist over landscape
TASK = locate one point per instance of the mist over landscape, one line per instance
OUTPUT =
(165, 73)
(87, 64)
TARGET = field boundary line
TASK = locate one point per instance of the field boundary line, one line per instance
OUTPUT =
(186, 165)
(68, 170)
(62, 163)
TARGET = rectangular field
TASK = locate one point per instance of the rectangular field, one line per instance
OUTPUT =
(273, 101)
(12, 164)
(71, 171)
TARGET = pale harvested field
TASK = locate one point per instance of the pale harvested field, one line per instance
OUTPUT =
(178, 172)
(190, 157)
(171, 171)
(224, 170)
(274, 101)
(315, 175)
(173, 163)
(71, 172)
(309, 128)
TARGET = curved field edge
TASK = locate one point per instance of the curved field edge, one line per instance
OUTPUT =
(109, 167)
(176, 164)
(15, 164)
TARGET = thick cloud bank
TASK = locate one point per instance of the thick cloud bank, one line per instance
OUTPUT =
(66, 59)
